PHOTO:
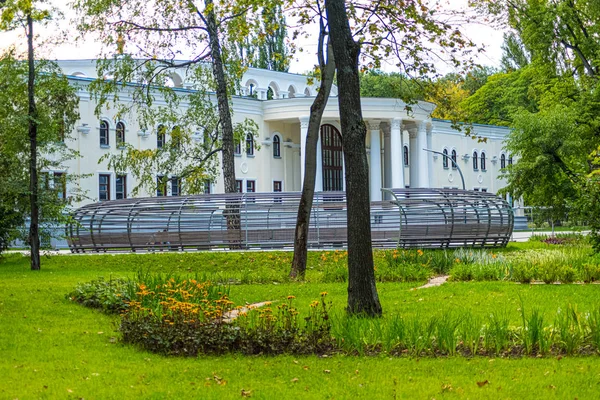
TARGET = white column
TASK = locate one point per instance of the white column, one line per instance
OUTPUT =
(387, 159)
(413, 158)
(396, 154)
(423, 156)
(375, 167)
(429, 156)
(303, 134)
(319, 175)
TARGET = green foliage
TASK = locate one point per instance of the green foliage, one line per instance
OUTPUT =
(57, 112)
(549, 96)
(374, 83)
(110, 296)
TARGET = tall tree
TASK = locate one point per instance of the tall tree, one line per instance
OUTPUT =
(553, 66)
(327, 72)
(57, 105)
(362, 293)
(385, 31)
(24, 13)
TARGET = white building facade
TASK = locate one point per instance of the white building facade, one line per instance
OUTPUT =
(395, 142)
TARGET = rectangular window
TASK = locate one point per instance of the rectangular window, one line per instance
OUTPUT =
(250, 186)
(161, 186)
(121, 187)
(60, 184)
(104, 187)
(238, 184)
(175, 186)
(484, 190)
(207, 187)
(238, 149)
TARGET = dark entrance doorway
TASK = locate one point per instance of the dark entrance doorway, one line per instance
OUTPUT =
(332, 159)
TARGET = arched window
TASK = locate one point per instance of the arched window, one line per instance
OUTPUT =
(332, 159)
(276, 146)
(104, 133)
(161, 136)
(249, 145)
(405, 156)
(475, 159)
(453, 155)
(482, 163)
(120, 134)
(510, 160)
(445, 158)
(502, 161)
(270, 93)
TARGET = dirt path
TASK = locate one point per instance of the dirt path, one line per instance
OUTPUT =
(436, 281)
(233, 314)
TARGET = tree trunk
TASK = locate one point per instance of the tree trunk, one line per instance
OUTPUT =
(228, 145)
(34, 229)
(310, 163)
(362, 292)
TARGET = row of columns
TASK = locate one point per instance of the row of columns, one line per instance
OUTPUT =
(420, 161)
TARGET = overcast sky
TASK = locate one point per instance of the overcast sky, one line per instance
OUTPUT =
(481, 34)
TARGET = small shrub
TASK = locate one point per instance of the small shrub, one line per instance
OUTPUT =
(409, 265)
(568, 274)
(524, 272)
(111, 296)
(589, 272)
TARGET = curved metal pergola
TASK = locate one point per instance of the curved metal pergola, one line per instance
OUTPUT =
(410, 218)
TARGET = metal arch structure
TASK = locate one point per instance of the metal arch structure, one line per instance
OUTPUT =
(413, 218)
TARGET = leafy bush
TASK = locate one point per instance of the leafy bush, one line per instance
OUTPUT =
(110, 296)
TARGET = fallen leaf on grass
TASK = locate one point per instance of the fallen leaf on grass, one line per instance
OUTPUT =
(482, 384)
(327, 371)
(246, 393)
(295, 380)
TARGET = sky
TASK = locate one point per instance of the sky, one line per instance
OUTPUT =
(489, 37)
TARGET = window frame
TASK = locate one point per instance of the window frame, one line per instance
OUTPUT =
(59, 177)
(250, 182)
(123, 191)
(475, 157)
(454, 157)
(175, 186)
(482, 161)
(161, 136)
(120, 134)
(445, 158)
(277, 183)
(249, 145)
(502, 161)
(161, 187)
(239, 185)
(104, 133)
(405, 156)
(276, 146)
(107, 185)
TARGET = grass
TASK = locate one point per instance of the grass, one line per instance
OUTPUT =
(52, 348)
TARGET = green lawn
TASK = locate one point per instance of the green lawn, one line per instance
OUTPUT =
(52, 348)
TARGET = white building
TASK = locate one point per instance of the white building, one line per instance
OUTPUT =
(395, 141)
